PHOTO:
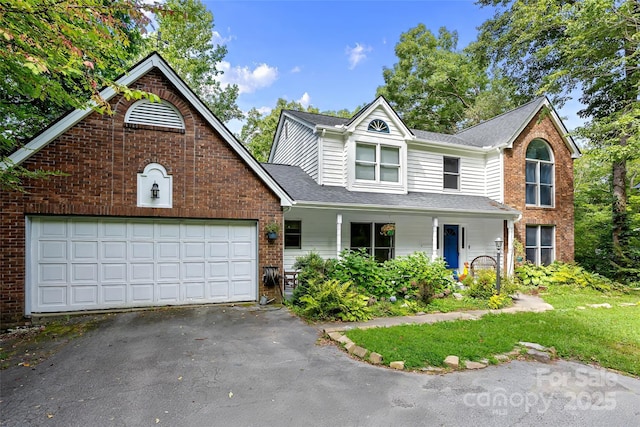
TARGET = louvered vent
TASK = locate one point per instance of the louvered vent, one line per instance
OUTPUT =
(149, 113)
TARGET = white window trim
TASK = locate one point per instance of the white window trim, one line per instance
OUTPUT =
(538, 247)
(538, 185)
(377, 184)
(458, 174)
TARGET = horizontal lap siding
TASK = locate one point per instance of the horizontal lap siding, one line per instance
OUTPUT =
(424, 171)
(334, 163)
(472, 174)
(494, 176)
(298, 146)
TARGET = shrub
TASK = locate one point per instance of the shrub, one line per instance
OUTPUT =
(417, 276)
(311, 268)
(532, 275)
(499, 301)
(361, 269)
(330, 300)
(484, 286)
(562, 274)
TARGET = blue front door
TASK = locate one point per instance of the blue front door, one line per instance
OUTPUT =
(451, 246)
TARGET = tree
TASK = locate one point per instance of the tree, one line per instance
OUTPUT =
(185, 39)
(435, 87)
(590, 46)
(57, 55)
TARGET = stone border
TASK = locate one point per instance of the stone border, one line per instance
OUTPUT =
(523, 351)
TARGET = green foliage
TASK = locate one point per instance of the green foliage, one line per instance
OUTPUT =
(416, 275)
(312, 268)
(484, 285)
(498, 301)
(366, 274)
(531, 275)
(333, 300)
(436, 87)
(562, 274)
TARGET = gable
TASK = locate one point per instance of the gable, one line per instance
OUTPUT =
(152, 62)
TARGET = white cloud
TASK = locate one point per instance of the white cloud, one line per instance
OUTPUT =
(295, 69)
(264, 110)
(305, 100)
(357, 54)
(248, 80)
(217, 38)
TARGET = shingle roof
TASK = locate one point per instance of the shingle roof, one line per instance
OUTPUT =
(501, 129)
(491, 133)
(302, 188)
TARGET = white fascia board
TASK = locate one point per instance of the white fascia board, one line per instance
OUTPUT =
(457, 147)
(381, 102)
(400, 209)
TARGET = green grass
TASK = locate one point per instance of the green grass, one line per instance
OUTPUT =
(608, 337)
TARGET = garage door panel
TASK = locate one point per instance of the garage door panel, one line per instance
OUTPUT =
(53, 296)
(52, 273)
(114, 251)
(168, 292)
(84, 250)
(84, 273)
(168, 271)
(142, 272)
(53, 250)
(83, 295)
(114, 272)
(142, 293)
(99, 263)
(142, 250)
(114, 294)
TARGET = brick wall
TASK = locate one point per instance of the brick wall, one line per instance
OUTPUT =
(561, 215)
(102, 158)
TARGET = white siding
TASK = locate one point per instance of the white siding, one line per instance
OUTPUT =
(380, 114)
(413, 233)
(425, 171)
(334, 163)
(493, 171)
(298, 146)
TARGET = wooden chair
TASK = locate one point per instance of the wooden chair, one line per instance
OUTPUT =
(290, 279)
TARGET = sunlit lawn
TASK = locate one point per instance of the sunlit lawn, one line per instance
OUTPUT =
(607, 336)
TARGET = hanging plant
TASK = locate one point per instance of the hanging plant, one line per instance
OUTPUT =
(388, 230)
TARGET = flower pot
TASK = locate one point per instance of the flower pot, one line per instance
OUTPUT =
(272, 235)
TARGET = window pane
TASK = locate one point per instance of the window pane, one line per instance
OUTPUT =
(531, 172)
(531, 194)
(531, 255)
(292, 241)
(383, 255)
(360, 235)
(451, 164)
(366, 153)
(451, 181)
(381, 240)
(546, 256)
(390, 155)
(546, 195)
(546, 236)
(546, 173)
(366, 172)
(532, 236)
(388, 174)
(292, 226)
(538, 149)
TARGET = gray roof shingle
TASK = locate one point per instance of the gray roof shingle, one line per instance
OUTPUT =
(302, 188)
(491, 133)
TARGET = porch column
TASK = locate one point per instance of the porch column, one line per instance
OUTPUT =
(338, 235)
(434, 239)
(510, 253)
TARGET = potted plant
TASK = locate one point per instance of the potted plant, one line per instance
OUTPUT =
(272, 229)
(388, 229)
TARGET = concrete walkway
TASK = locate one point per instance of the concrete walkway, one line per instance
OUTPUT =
(523, 303)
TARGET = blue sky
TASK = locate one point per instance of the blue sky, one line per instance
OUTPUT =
(329, 54)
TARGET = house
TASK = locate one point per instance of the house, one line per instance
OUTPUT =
(370, 182)
(159, 205)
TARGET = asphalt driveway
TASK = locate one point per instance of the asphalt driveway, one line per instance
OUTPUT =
(251, 366)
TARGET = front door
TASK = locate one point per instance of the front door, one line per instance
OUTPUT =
(450, 243)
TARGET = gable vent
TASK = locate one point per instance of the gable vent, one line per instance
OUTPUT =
(148, 113)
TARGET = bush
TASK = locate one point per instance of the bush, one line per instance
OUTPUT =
(484, 286)
(562, 274)
(331, 300)
(311, 268)
(417, 276)
(361, 269)
(499, 301)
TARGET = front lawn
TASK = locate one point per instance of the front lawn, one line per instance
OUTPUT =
(607, 336)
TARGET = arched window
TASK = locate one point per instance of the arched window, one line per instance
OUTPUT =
(539, 174)
(378, 125)
(162, 114)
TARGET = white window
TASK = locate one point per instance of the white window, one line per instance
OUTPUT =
(451, 178)
(379, 163)
(540, 244)
(377, 239)
(539, 174)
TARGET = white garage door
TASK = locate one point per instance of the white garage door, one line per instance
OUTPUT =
(101, 263)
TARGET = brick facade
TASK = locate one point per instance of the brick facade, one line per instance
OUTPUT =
(561, 214)
(102, 157)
